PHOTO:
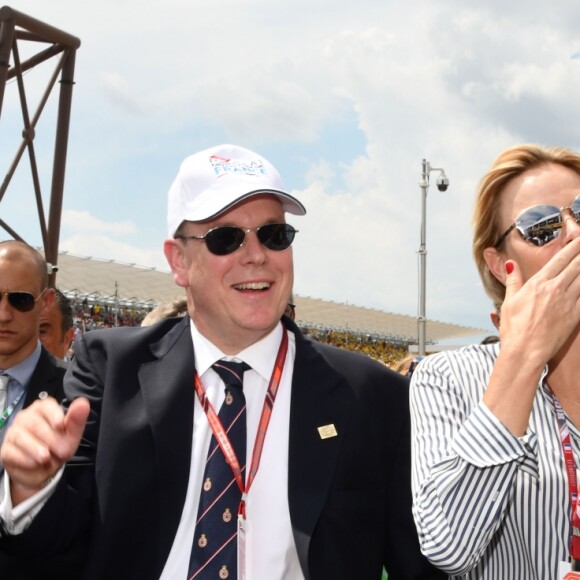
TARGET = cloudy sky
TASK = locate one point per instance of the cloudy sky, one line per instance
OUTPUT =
(345, 98)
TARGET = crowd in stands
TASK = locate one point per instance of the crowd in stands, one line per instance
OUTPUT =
(383, 350)
(92, 314)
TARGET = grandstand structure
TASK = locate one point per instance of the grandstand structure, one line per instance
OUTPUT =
(129, 286)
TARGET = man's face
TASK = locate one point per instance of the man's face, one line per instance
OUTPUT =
(237, 298)
(52, 336)
(19, 330)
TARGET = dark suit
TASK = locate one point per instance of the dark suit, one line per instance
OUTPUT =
(48, 378)
(349, 496)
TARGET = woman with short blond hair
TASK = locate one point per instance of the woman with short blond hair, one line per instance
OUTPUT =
(496, 429)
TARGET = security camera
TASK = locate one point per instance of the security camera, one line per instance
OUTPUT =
(442, 182)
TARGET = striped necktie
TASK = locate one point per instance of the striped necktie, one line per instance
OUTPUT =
(4, 378)
(214, 549)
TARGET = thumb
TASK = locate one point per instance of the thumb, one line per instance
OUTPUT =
(76, 419)
(513, 280)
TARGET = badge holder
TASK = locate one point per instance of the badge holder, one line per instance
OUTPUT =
(242, 547)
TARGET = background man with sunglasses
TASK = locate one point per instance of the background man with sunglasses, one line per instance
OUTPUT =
(24, 297)
(32, 372)
(326, 471)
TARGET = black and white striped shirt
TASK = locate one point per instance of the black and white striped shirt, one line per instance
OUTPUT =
(487, 504)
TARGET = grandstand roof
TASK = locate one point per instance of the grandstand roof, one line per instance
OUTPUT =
(326, 314)
(129, 284)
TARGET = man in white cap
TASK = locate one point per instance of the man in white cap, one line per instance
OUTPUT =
(223, 444)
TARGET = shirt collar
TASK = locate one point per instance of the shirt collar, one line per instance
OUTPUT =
(261, 355)
(22, 372)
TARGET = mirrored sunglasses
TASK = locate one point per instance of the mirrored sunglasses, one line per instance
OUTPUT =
(21, 301)
(541, 224)
(225, 240)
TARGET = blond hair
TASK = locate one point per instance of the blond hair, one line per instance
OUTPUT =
(175, 307)
(508, 165)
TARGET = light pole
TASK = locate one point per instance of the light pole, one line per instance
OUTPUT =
(442, 185)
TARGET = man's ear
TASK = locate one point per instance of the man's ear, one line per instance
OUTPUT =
(48, 299)
(495, 262)
(174, 253)
(68, 337)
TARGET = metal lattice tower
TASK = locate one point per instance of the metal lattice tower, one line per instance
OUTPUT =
(15, 29)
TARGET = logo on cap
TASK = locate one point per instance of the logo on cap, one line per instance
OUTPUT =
(223, 166)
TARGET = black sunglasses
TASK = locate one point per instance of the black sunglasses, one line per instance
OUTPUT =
(21, 301)
(541, 224)
(224, 240)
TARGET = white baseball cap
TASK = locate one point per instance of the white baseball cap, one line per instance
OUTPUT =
(213, 181)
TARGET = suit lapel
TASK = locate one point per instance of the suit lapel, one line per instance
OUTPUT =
(167, 385)
(47, 377)
(320, 398)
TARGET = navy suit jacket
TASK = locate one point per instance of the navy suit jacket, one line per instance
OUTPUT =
(47, 377)
(349, 496)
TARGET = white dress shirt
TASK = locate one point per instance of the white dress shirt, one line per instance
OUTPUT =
(270, 548)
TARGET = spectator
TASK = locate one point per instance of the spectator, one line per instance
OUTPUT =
(28, 373)
(175, 307)
(496, 430)
(56, 326)
(407, 365)
(290, 310)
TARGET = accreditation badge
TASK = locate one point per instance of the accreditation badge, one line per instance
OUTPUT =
(565, 572)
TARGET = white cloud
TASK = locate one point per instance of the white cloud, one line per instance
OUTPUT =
(120, 92)
(83, 221)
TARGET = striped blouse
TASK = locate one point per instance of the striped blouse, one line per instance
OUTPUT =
(487, 504)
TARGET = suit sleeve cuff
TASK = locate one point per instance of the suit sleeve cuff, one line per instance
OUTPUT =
(16, 520)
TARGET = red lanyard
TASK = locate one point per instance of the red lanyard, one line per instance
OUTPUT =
(222, 437)
(571, 473)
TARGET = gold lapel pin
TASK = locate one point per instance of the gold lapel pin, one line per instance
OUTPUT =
(327, 431)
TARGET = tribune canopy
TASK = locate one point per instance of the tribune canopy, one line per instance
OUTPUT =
(114, 282)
